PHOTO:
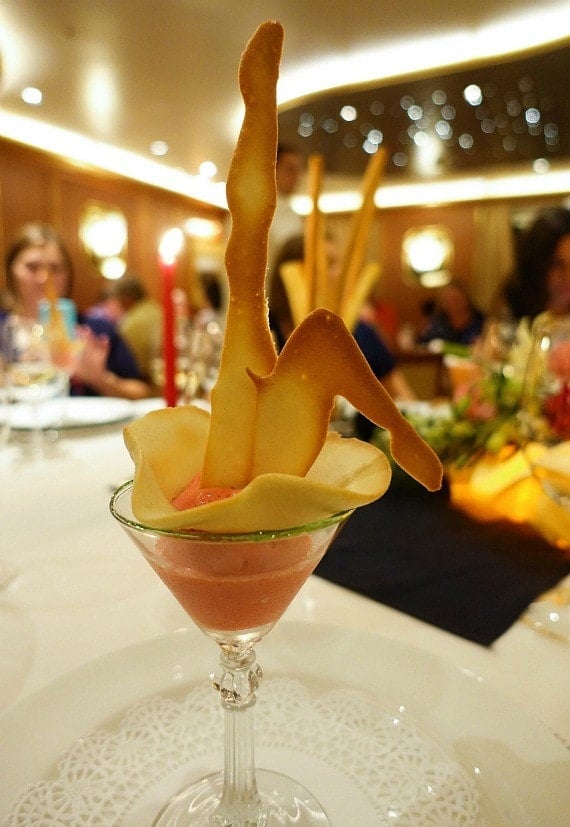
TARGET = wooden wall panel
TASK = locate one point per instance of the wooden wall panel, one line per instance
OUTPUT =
(36, 186)
(395, 287)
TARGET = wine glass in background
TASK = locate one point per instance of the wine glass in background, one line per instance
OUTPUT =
(235, 587)
(6, 572)
(203, 352)
(31, 376)
(545, 438)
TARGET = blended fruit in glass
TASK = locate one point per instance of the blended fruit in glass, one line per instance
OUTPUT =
(237, 585)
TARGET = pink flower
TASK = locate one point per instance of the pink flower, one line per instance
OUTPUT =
(559, 361)
(479, 408)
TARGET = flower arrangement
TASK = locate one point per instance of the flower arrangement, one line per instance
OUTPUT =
(482, 416)
(556, 409)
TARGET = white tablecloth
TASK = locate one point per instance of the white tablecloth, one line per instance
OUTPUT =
(82, 590)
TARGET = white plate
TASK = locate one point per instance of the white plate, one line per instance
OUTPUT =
(72, 412)
(508, 765)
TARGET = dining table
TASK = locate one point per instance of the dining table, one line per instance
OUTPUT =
(80, 600)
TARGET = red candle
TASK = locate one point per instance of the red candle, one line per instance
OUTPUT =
(169, 248)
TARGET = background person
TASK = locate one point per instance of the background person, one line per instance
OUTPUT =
(286, 222)
(105, 365)
(540, 280)
(140, 323)
(455, 318)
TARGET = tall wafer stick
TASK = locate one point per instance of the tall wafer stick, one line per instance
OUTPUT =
(356, 244)
(313, 239)
(252, 197)
(353, 304)
(295, 282)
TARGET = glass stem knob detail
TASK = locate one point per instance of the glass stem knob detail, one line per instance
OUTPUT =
(237, 679)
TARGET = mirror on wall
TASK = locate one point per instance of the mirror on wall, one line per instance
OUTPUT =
(427, 256)
(103, 232)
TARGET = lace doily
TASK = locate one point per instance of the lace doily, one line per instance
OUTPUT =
(340, 743)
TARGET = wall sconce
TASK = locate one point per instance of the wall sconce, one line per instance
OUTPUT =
(103, 234)
(207, 228)
(427, 254)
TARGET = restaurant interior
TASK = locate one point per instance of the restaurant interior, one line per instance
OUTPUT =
(428, 140)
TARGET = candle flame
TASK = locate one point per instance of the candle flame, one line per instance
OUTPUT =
(171, 245)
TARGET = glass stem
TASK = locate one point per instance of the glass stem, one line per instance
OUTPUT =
(237, 680)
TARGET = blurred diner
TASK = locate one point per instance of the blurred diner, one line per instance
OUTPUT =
(140, 321)
(286, 222)
(37, 263)
(540, 280)
(455, 317)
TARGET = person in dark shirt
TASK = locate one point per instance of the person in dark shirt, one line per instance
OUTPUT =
(541, 277)
(455, 318)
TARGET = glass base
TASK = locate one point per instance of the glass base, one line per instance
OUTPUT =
(283, 801)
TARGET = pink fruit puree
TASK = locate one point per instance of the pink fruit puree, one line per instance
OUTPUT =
(234, 585)
(237, 585)
(193, 495)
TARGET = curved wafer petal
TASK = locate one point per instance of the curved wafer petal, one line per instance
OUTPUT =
(346, 474)
(320, 361)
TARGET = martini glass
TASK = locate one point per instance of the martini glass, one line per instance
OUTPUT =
(235, 587)
(545, 435)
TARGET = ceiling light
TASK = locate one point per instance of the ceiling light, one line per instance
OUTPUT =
(541, 165)
(511, 34)
(348, 113)
(532, 115)
(466, 141)
(159, 148)
(100, 97)
(32, 95)
(369, 147)
(208, 169)
(473, 94)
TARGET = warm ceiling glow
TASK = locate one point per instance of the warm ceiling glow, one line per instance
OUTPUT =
(87, 151)
(100, 97)
(448, 191)
(512, 34)
(202, 227)
(515, 33)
